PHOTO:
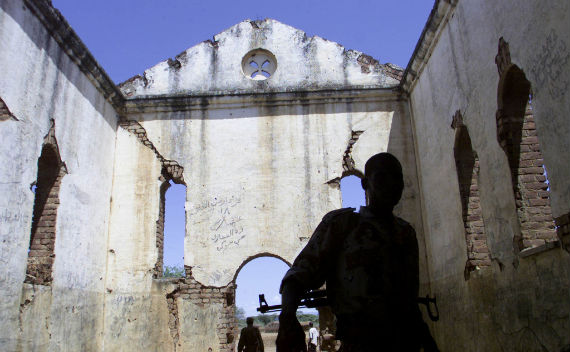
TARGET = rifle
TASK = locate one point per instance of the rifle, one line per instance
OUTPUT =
(318, 298)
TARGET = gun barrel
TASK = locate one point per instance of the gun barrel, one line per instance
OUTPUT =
(265, 309)
(318, 298)
(311, 299)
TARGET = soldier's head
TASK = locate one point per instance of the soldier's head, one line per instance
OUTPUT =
(249, 321)
(311, 324)
(383, 181)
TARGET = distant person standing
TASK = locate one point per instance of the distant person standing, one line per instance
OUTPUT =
(313, 338)
(250, 338)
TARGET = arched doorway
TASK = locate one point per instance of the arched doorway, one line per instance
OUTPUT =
(263, 275)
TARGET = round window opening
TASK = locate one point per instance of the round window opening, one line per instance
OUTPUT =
(259, 64)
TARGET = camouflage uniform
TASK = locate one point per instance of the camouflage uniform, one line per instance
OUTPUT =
(370, 266)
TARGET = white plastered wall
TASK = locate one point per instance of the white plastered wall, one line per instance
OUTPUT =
(257, 177)
(503, 307)
(40, 83)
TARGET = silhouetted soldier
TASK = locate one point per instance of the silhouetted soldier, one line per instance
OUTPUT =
(250, 338)
(369, 261)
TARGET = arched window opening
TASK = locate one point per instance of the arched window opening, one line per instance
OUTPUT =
(46, 201)
(352, 194)
(263, 276)
(517, 136)
(467, 166)
(170, 230)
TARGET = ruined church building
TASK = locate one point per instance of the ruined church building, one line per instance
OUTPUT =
(260, 124)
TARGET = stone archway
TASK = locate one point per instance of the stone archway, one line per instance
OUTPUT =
(260, 274)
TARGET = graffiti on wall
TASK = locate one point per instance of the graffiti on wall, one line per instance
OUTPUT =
(549, 65)
(220, 217)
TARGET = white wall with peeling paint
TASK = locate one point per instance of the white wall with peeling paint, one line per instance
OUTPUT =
(303, 63)
(261, 159)
(39, 82)
(257, 165)
(503, 307)
(258, 177)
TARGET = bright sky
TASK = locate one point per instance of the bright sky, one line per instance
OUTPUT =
(128, 36)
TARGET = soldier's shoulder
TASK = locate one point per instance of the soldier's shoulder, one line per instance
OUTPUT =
(404, 225)
(402, 222)
(338, 213)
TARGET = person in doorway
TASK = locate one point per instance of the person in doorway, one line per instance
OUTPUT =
(250, 338)
(313, 338)
(369, 262)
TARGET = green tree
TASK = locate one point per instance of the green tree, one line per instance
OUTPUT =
(240, 317)
(173, 271)
(240, 313)
(265, 319)
(308, 317)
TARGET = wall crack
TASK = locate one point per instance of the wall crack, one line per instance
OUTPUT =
(348, 164)
(172, 169)
(173, 316)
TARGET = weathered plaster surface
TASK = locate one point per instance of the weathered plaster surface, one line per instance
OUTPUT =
(258, 177)
(198, 326)
(462, 66)
(134, 303)
(40, 83)
(134, 211)
(249, 156)
(303, 63)
(509, 306)
(262, 161)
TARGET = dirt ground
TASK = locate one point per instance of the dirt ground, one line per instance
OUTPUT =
(269, 341)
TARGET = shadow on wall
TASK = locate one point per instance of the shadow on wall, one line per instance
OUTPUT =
(268, 104)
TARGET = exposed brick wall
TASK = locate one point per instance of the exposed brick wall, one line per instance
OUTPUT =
(42, 240)
(348, 164)
(170, 167)
(467, 166)
(519, 140)
(394, 71)
(191, 290)
(173, 316)
(5, 113)
(516, 133)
